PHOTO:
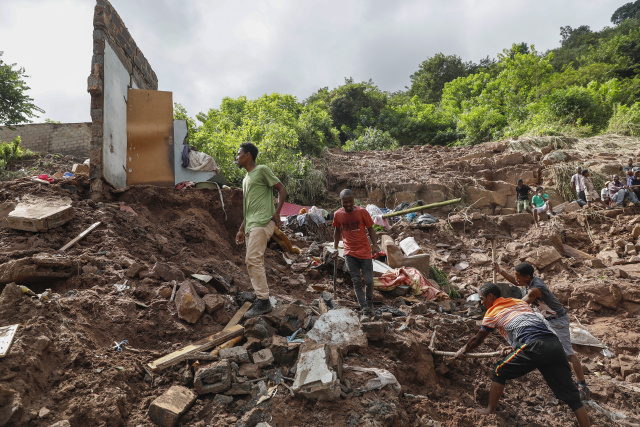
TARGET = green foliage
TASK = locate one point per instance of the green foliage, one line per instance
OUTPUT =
(625, 120)
(180, 113)
(52, 121)
(439, 276)
(427, 83)
(627, 11)
(10, 152)
(15, 106)
(372, 139)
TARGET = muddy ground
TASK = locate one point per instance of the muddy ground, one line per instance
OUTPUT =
(62, 366)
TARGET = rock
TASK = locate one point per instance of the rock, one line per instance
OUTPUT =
(608, 256)
(620, 273)
(63, 423)
(596, 263)
(168, 273)
(283, 353)
(634, 259)
(513, 247)
(630, 249)
(134, 269)
(200, 289)
(10, 405)
(340, 328)
(213, 378)
(223, 400)
(190, 306)
(386, 316)
(263, 358)
(633, 378)
(554, 157)
(89, 269)
(374, 330)
(250, 370)
(244, 297)
(636, 231)
(234, 354)
(44, 412)
(543, 256)
(40, 214)
(480, 259)
(41, 344)
(628, 365)
(462, 266)
(515, 221)
(213, 302)
(173, 403)
(315, 377)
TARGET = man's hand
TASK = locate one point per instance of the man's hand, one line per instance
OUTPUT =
(374, 250)
(506, 350)
(335, 254)
(276, 219)
(496, 267)
(240, 237)
(460, 354)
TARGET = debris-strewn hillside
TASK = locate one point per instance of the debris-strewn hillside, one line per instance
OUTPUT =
(118, 283)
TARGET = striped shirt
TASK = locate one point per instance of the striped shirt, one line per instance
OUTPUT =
(515, 321)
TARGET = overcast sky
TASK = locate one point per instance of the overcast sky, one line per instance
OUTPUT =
(204, 50)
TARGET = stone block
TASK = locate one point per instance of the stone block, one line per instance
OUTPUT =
(234, 354)
(190, 306)
(250, 370)
(238, 389)
(213, 302)
(340, 328)
(223, 400)
(315, 378)
(608, 256)
(257, 328)
(283, 353)
(263, 358)
(171, 405)
(167, 272)
(40, 214)
(596, 263)
(214, 378)
(134, 269)
(544, 256)
(374, 330)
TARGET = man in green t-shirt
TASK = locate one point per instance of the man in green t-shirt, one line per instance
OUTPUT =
(260, 220)
(541, 204)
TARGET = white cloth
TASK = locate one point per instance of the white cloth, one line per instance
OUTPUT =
(199, 161)
(576, 181)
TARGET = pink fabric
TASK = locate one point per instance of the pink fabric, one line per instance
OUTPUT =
(414, 279)
(289, 209)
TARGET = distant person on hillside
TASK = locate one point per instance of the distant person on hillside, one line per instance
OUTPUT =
(261, 218)
(544, 301)
(619, 192)
(541, 205)
(533, 346)
(589, 189)
(576, 182)
(629, 166)
(633, 182)
(352, 223)
(604, 196)
(522, 191)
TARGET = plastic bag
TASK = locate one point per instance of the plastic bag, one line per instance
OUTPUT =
(383, 378)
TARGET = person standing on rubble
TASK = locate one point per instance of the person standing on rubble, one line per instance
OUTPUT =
(540, 296)
(522, 192)
(533, 346)
(260, 220)
(576, 182)
(351, 224)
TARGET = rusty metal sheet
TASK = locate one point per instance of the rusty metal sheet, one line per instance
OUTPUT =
(150, 138)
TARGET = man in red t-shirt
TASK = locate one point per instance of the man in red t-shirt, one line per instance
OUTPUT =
(351, 224)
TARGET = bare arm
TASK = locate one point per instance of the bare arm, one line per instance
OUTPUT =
(374, 240)
(282, 195)
(337, 235)
(240, 234)
(532, 295)
(506, 275)
(473, 343)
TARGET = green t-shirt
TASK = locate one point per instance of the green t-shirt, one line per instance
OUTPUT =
(539, 201)
(257, 197)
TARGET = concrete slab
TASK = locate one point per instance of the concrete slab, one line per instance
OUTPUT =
(340, 328)
(171, 405)
(40, 214)
(315, 379)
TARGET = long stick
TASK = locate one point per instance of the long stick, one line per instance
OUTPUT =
(80, 236)
(453, 353)
(493, 258)
(419, 208)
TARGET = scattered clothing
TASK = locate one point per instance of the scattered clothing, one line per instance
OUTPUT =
(411, 277)
(199, 161)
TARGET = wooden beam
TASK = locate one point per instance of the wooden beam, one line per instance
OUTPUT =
(322, 306)
(238, 316)
(422, 207)
(80, 236)
(201, 345)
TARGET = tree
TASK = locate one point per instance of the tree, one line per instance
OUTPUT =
(427, 83)
(629, 10)
(15, 106)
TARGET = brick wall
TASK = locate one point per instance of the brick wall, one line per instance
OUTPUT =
(64, 138)
(109, 28)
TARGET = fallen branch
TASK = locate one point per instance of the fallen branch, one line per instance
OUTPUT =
(80, 236)
(453, 353)
(419, 208)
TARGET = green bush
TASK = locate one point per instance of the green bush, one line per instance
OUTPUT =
(373, 139)
(625, 120)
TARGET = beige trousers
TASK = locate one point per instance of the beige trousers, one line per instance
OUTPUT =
(257, 239)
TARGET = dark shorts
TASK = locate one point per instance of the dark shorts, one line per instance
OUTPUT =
(547, 356)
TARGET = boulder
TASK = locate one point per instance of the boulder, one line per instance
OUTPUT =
(340, 328)
(250, 370)
(480, 259)
(596, 263)
(263, 358)
(555, 157)
(214, 378)
(543, 256)
(315, 376)
(167, 272)
(608, 256)
(134, 269)
(190, 306)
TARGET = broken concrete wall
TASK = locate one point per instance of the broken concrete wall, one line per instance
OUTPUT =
(117, 65)
(64, 138)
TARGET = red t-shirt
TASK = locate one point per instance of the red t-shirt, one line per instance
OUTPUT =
(354, 231)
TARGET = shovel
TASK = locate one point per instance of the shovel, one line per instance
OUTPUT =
(493, 238)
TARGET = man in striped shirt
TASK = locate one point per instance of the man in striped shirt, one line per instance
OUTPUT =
(533, 346)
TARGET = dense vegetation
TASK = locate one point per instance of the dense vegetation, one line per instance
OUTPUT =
(588, 85)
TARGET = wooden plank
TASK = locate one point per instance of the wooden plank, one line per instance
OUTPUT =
(150, 138)
(6, 338)
(238, 316)
(322, 306)
(201, 345)
(80, 236)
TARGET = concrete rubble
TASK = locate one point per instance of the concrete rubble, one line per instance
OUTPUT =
(40, 214)
(316, 377)
(168, 407)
